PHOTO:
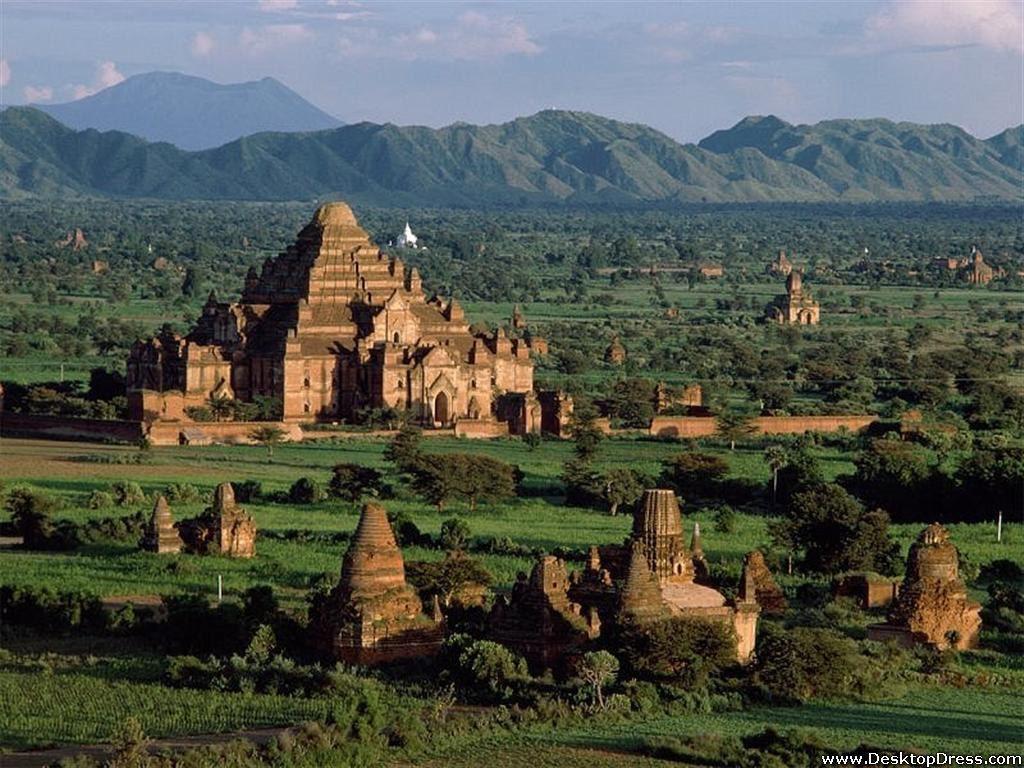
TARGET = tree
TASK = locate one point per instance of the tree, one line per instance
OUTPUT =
(734, 424)
(693, 473)
(454, 534)
(775, 457)
(351, 482)
(404, 450)
(800, 471)
(441, 477)
(268, 436)
(597, 669)
(622, 486)
(220, 407)
(835, 533)
(447, 577)
(586, 435)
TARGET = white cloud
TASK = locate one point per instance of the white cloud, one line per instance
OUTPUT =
(107, 75)
(996, 24)
(473, 36)
(276, 6)
(34, 93)
(202, 44)
(272, 36)
(5, 72)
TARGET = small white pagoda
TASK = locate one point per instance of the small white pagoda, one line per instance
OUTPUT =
(407, 239)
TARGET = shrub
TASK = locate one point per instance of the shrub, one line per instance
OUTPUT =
(794, 665)
(725, 519)
(31, 516)
(248, 490)
(99, 500)
(682, 650)
(406, 531)
(44, 609)
(454, 534)
(305, 490)
(483, 670)
(182, 493)
(127, 493)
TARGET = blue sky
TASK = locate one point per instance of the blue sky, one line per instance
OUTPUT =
(686, 68)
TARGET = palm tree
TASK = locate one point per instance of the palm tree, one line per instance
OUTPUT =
(268, 436)
(776, 458)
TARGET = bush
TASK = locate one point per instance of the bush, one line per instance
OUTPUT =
(725, 519)
(794, 665)
(248, 490)
(305, 490)
(454, 534)
(685, 651)
(407, 533)
(183, 493)
(99, 500)
(483, 670)
(31, 516)
(49, 611)
(127, 493)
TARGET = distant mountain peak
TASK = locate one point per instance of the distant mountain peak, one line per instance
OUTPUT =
(192, 112)
(554, 157)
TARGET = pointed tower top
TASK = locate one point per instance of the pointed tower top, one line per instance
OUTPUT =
(696, 546)
(373, 563)
(640, 599)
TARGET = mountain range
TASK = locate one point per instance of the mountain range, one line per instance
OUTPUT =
(190, 112)
(550, 158)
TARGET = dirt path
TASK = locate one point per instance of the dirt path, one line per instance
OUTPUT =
(45, 757)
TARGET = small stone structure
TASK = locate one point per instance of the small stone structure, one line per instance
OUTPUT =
(795, 307)
(373, 615)
(766, 593)
(870, 590)
(538, 621)
(224, 528)
(615, 353)
(932, 607)
(161, 536)
(781, 266)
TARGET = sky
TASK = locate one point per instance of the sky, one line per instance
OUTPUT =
(685, 68)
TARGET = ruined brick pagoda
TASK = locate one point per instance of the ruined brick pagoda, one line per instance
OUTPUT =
(373, 615)
(932, 607)
(161, 537)
(224, 528)
(795, 306)
(331, 326)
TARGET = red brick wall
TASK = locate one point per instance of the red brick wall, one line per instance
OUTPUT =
(703, 426)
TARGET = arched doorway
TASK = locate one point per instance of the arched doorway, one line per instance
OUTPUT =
(441, 406)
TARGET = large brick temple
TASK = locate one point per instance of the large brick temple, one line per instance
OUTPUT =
(330, 326)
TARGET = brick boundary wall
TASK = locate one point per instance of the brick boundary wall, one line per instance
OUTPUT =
(705, 426)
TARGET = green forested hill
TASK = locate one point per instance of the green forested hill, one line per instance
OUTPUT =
(552, 157)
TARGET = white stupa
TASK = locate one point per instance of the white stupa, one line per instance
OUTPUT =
(407, 239)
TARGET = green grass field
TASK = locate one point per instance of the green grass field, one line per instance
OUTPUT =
(84, 700)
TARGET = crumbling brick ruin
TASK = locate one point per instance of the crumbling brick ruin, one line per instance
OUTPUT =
(648, 578)
(932, 607)
(539, 621)
(795, 307)
(223, 528)
(161, 536)
(373, 615)
(761, 584)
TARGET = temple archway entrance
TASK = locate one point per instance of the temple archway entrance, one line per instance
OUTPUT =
(441, 408)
